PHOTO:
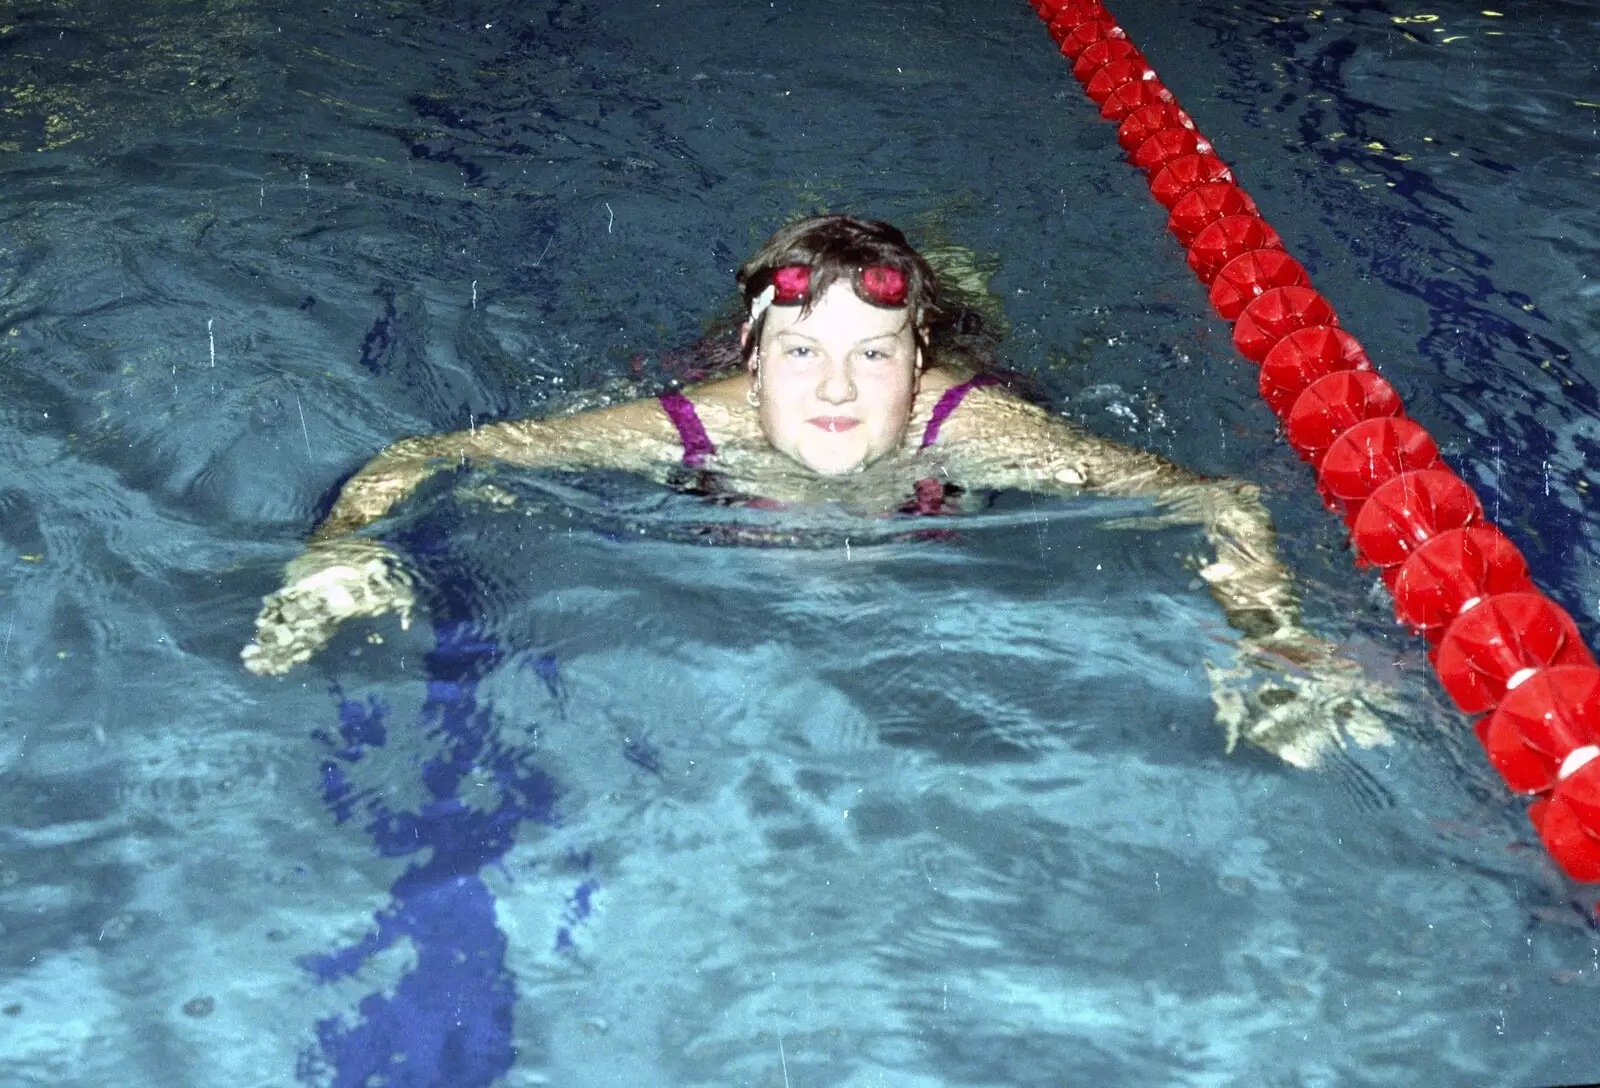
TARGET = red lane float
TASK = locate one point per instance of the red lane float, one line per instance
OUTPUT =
(1502, 641)
(1565, 819)
(1453, 571)
(1114, 76)
(1407, 511)
(1207, 204)
(1086, 33)
(1176, 178)
(1065, 18)
(1299, 359)
(1251, 274)
(1160, 149)
(1332, 405)
(1538, 725)
(1102, 53)
(1226, 240)
(1499, 644)
(1146, 121)
(1134, 96)
(1368, 455)
(1276, 314)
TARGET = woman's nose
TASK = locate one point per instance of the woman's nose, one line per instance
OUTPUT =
(837, 386)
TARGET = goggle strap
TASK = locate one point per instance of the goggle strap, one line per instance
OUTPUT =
(762, 301)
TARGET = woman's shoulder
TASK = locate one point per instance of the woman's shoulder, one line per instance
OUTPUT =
(992, 419)
(932, 386)
(961, 397)
(938, 380)
(723, 406)
(727, 392)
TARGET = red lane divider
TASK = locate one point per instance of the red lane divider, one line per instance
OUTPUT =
(1300, 358)
(1274, 315)
(1160, 150)
(1206, 204)
(1249, 275)
(1407, 511)
(1102, 53)
(1504, 640)
(1366, 458)
(1453, 571)
(1539, 724)
(1225, 241)
(1333, 404)
(1499, 645)
(1144, 123)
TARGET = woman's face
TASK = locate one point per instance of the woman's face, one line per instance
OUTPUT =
(837, 385)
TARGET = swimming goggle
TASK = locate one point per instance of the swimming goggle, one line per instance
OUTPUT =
(878, 284)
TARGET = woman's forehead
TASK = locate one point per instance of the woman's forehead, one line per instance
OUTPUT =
(839, 314)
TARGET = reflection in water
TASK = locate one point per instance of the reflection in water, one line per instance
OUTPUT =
(77, 70)
(449, 1020)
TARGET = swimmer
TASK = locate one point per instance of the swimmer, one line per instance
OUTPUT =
(845, 396)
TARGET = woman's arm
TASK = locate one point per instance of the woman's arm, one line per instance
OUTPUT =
(341, 575)
(998, 440)
(1289, 691)
(635, 437)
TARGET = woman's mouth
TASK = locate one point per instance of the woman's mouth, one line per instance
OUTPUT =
(834, 424)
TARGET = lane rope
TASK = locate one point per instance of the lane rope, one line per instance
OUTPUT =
(1500, 647)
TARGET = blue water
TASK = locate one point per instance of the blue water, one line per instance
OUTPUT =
(628, 809)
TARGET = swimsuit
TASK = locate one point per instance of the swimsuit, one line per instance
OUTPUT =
(931, 495)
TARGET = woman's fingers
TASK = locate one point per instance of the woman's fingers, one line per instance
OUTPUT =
(293, 625)
(1297, 697)
(299, 619)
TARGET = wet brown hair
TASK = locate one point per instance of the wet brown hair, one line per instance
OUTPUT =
(837, 247)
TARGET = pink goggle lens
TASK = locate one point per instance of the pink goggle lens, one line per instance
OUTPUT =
(792, 283)
(878, 284)
(884, 285)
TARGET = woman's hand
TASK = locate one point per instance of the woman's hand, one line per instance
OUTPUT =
(1295, 695)
(328, 584)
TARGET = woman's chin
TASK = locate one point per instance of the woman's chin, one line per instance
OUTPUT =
(835, 468)
(832, 461)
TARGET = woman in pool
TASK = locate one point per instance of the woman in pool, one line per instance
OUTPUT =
(842, 399)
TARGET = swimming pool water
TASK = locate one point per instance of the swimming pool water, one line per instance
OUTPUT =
(627, 809)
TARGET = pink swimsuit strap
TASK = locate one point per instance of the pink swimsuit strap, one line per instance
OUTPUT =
(950, 402)
(691, 432)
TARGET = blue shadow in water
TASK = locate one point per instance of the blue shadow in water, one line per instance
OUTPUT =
(449, 1020)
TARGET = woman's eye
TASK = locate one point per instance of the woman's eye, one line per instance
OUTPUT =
(798, 353)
